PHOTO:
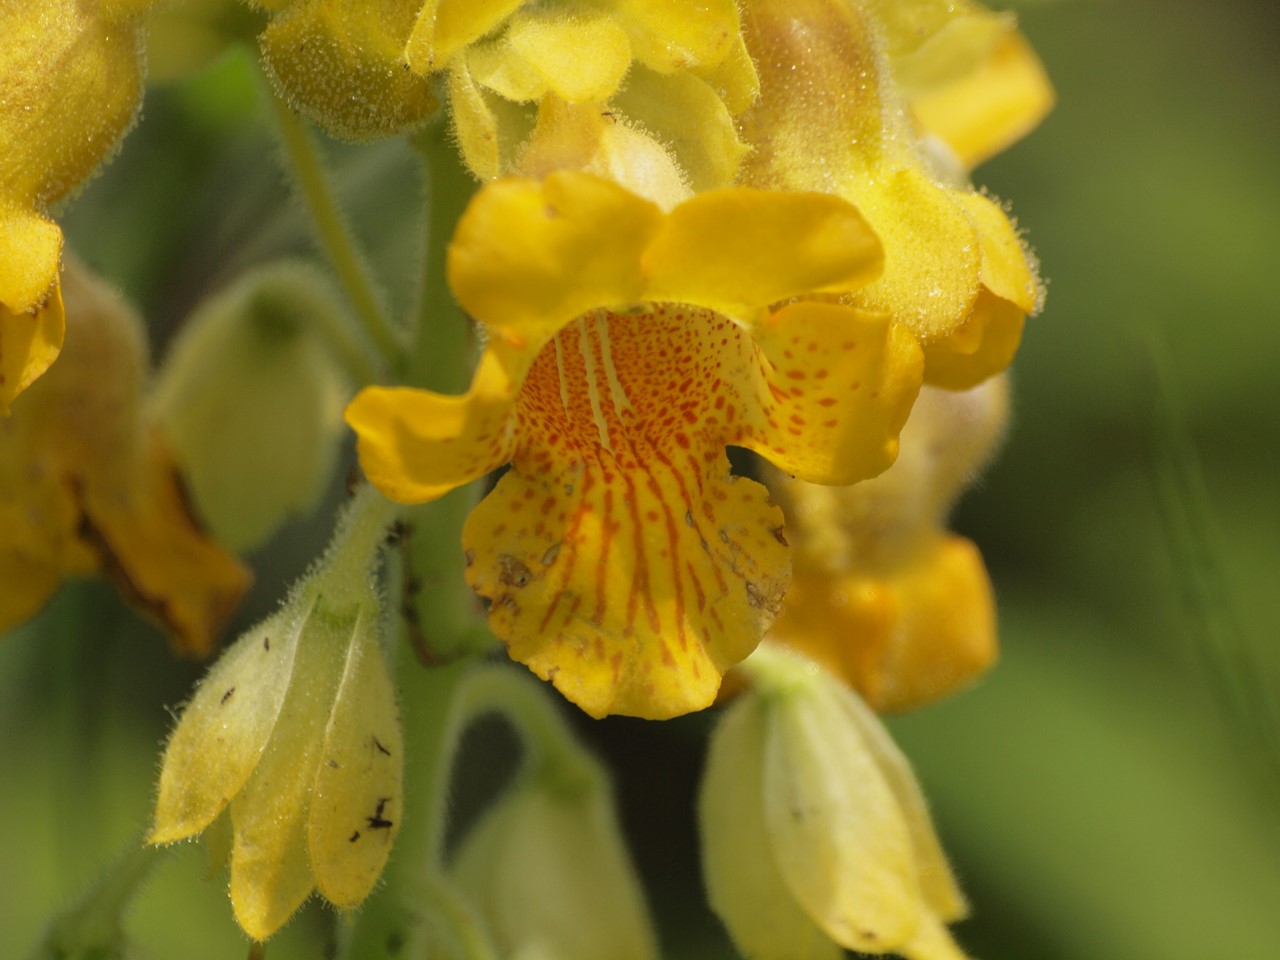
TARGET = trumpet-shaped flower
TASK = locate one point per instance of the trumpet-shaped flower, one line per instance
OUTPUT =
(625, 349)
(70, 84)
(831, 117)
(815, 835)
(87, 485)
(882, 595)
(295, 734)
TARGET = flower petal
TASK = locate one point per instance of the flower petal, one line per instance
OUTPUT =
(581, 58)
(529, 256)
(270, 860)
(416, 445)
(737, 250)
(29, 343)
(996, 104)
(686, 113)
(670, 35)
(622, 561)
(235, 707)
(834, 388)
(980, 349)
(445, 27)
(839, 836)
(902, 638)
(744, 885)
(358, 799)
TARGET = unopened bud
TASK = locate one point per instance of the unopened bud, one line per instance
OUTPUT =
(250, 399)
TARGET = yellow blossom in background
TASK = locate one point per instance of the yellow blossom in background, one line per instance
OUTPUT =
(882, 595)
(967, 73)
(625, 349)
(87, 485)
(70, 85)
(830, 117)
(815, 835)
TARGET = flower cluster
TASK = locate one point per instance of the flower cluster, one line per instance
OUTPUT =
(733, 224)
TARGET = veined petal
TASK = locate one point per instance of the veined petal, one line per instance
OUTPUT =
(416, 445)
(737, 250)
(623, 562)
(834, 388)
(529, 256)
(29, 343)
(582, 58)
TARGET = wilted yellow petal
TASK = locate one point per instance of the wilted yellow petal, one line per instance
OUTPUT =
(225, 728)
(358, 799)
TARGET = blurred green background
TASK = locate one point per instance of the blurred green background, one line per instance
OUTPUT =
(1109, 791)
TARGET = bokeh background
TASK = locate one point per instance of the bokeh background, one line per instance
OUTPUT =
(1110, 790)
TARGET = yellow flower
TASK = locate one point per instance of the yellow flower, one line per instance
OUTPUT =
(678, 70)
(625, 349)
(87, 486)
(70, 84)
(815, 835)
(882, 595)
(830, 117)
(970, 77)
(295, 734)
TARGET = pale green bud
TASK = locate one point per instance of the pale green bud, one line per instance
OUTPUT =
(250, 399)
(295, 733)
(815, 836)
(548, 870)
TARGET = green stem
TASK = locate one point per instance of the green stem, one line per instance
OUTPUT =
(333, 232)
(362, 529)
(94, 925)
(442, 334)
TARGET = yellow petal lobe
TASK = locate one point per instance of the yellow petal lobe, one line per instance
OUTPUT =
(735, 250)
(580, 58)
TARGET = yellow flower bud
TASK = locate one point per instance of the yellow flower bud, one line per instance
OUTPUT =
(548, 870)
(342, 63)
(815, 836)
(295, 733)
(250, 399)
